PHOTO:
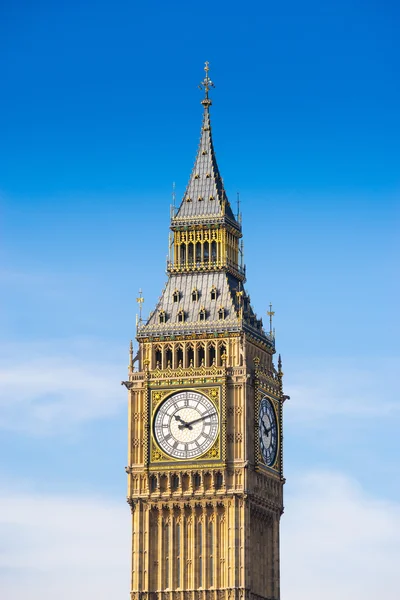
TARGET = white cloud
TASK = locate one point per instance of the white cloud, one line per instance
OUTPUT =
(352, 388)
(64, 547)
(338, 542)
(47, 388)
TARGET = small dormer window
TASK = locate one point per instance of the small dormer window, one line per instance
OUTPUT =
(208, 175)
(202, 314)
(200, 198)
(213, 293)
(181, 316)
(162, 316)
(204, 152)
(211, 197)
(221, 313)
(176, 296)
(197, 176)
(195, 295)
(188, 199)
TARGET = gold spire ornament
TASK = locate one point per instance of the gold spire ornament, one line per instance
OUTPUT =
(270, 313)
(140, 301)
(205, 85)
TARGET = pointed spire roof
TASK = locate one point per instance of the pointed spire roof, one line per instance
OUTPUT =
(205, 199)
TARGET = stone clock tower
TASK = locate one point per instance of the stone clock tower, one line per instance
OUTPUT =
(205, 414)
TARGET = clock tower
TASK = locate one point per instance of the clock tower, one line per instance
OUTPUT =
(205, 414)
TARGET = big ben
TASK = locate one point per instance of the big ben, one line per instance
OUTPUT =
(205, 472)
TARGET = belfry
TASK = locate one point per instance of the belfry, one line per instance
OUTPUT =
(205, 472)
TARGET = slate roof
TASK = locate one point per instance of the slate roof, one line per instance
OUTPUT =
(205, 196)
(185, 283)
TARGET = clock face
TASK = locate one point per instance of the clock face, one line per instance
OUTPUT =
(268, 432)
(186, 425)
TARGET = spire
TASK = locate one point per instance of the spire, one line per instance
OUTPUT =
(205, 197)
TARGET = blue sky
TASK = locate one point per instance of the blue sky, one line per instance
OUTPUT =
(99, 114)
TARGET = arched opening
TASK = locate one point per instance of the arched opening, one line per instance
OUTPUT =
(213, 251)
(206, 250)
(190, 252)
(158, 358)
(198, 252)
(183, 253)
(179, 357)
(211, 355)
(168, 357)
(190, 356)
(222, 353)
(200, 356)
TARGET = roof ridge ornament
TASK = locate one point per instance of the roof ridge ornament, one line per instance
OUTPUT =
(205, 85)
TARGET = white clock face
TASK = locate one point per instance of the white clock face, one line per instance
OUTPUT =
(186, 425)
(268, 432)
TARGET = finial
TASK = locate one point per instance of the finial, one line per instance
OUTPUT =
(131, 356)
(205, 85)
(271, 313)
(140, 301)
(280, 374)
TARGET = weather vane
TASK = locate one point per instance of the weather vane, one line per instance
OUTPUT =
(140, 301)
(270, 313)
(206, 84)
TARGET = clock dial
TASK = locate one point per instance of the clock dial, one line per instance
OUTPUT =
(186, 425)
(268, 432)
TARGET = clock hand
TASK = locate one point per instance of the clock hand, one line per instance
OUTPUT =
(196, 421)
(265, 429)
(184, 424)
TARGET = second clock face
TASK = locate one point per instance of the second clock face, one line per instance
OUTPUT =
(268, 432)
(186, 425)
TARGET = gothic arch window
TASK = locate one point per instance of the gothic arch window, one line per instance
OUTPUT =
(211, 354)
(214, 251)
(198, 252)
(202, 314)
(222, 353)
(153, 483)
(183, 253)
(176, 296)
(179, 356)
(190, 252)
(218, 480)
(181, 316)
(162, 316)
(168, 357)
(221, 313)
(158, 358)
(195, 295)
(196, 480)
(206, 250)
(200, 356)
(214, 293)
(174, 482)
(190, 356)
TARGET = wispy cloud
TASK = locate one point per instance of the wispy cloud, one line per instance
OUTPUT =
(50, 387)
(352, 388)
(337, 541)
(60, 546)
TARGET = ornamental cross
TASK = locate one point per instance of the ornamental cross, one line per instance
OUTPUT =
(140, 301)
(206, 84)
